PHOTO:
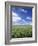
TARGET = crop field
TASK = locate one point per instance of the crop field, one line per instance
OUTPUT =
(21, 31)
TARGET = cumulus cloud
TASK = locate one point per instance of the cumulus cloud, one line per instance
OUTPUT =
(18, 20)
(29, 18)
(15, 17)
(14, 14)
(23, 10)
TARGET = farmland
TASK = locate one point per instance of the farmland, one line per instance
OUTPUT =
(21, 31)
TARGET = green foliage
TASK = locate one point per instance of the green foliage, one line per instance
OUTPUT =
(21, 31)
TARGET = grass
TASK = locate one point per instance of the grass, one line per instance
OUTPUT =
(21, 31)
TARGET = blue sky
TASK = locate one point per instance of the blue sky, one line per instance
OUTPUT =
(21, 15)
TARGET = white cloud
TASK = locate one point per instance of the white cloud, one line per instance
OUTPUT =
(14, 14)
(23, 10)
(16, 18)
(29, 18)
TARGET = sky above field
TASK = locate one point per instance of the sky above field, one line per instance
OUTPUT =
(21, 15)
